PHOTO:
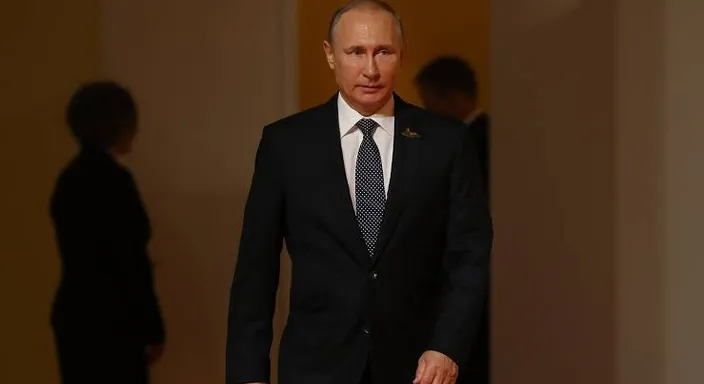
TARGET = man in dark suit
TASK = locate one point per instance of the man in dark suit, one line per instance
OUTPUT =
(384, 213)
(448, 86)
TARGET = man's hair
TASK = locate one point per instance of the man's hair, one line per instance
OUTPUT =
(100, 113)
(448, 73)
(376, 5)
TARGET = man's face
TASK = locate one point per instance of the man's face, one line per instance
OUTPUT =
(365, 55)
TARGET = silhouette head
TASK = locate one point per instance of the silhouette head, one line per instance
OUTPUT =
(448, 86)
(103, 116)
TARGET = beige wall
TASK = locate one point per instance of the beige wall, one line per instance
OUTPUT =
(684, 191)
(597, 136)
(640, 134)
(46, 49)
(208, 76)
(553, 193)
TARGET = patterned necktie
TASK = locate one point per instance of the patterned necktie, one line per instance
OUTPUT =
(369, 185)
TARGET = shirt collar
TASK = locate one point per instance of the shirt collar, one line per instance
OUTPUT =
(348, 117)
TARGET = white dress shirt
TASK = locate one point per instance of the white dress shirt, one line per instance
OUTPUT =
(473, 116)
(351, 138)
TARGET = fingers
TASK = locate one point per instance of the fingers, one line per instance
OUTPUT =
(428, 373)
(154, 353)
(451, 377)
(435, 371)
(420, 371)
(432, 375)
(440, 377)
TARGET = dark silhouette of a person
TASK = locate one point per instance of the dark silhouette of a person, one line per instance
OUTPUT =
(106, 317)
(448, 86)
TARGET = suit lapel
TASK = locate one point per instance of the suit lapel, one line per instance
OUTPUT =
(407, 143)
(405, 159)
(343, 218)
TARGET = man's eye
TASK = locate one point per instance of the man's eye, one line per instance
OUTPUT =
(384, 52)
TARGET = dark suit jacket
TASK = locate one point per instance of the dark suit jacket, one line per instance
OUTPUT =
(106, 291)
(480, 129)
(424, 288)
(479, 366)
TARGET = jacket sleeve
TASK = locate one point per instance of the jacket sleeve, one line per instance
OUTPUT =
(466, 257)
(129, 237)
(255, 283)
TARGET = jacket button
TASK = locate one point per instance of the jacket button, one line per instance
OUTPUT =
(367, 331)
(374, 275)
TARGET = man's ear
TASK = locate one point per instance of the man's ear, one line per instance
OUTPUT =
(329, 54)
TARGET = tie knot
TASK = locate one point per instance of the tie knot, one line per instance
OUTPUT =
(367, 126)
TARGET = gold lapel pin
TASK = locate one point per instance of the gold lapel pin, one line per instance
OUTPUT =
(410, 134)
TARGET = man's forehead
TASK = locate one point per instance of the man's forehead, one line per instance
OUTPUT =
(359, 24)
(367, 15)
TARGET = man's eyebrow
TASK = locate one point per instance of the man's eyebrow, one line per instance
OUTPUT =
(377, 47)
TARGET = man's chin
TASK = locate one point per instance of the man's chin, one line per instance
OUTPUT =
(368, 101)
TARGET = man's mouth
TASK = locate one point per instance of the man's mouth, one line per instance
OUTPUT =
(370, 88)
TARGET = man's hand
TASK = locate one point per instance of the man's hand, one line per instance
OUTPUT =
(154, 353)
(436, 368)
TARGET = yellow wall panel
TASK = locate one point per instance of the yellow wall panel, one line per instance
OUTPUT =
(47, 47)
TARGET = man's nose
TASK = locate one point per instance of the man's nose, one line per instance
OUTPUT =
(371, 70)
